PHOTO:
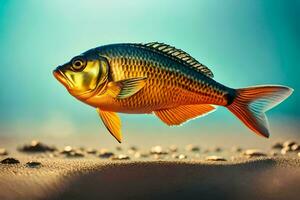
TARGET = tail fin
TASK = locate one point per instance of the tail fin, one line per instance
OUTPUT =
(250, 105)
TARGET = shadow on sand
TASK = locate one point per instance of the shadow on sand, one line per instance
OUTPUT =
(258, 179)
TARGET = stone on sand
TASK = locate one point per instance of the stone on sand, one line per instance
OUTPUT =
(33, 164)
(218, 149)
(141, 155)
(3, 152)
(295, 147)
(158, 150)
(121, 157)
(91, 151)
(105, 154)
(75, 154)
(36, 146)
(236, 149)
(180, 156)
(250, 153)
(10, 161)
(133, 148)
(67, 150)
(118, 148)
(215, 158)
(277, 145)
(173, 148)
(191, 147)
(288, 143)
(273, 153)
(70, 152)
(285, 150)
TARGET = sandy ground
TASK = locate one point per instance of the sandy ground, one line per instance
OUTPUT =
(94, 178)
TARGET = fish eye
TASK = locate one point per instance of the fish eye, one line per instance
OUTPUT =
(78, 63)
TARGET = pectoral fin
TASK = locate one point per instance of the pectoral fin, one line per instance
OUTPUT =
(180, 114)
(112, 122)
(125, 88)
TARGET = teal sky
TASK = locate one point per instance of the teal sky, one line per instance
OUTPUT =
(244, 43)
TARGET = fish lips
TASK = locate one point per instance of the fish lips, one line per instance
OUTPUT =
(59, 75)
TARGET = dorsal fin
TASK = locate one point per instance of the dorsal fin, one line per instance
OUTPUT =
(179, 55)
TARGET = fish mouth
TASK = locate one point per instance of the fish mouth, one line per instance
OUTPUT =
(61, 78)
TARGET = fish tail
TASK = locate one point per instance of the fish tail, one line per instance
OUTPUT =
(250, 105)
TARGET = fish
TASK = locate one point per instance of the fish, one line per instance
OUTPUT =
(160, 79)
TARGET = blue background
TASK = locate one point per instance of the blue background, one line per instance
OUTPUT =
(244, 43)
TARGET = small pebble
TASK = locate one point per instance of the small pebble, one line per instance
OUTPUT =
(174, 155)
(70, 152)
(173, 148)
(121, 157)
(158, 156)
(298, 154)
(133, 148)
(130, 151)
(191, 147)
(118, 148)
(67, 150)
(75, 154)
(141, 155)
(10, 161)
(254, 153)
(215, 158)
(295, 147)
(217, 149)
(82, 148)
(52, 155)
(180, 156)
(3, 152)
(157, 150)
(285, 150)
(236, 149)
(33, 164)
(91, 151)
(288, 143)
(36, 146)
(277, 145)
(106, 154)
(273, 153)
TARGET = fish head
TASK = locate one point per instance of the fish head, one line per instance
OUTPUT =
(83, 75)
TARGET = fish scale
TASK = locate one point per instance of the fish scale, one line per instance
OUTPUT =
(161, 79)
(169, 84)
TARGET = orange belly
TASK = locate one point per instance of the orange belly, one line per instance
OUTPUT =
(152, 97)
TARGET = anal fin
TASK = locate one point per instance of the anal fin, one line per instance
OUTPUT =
(180, 114)
(112, 122)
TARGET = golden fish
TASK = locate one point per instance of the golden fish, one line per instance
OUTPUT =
(160, 79)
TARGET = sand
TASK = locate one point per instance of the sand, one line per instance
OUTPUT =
(93, 178)
(160, 172)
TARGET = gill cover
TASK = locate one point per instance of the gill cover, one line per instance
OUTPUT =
(94, 78)
(103, 76)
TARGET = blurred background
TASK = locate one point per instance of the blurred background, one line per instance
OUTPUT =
(244, 43)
